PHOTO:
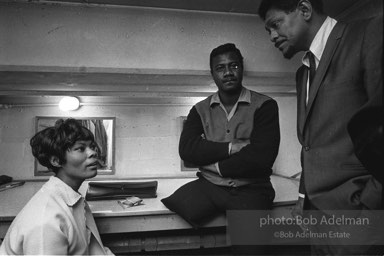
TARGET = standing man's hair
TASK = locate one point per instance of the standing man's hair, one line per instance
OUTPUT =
(228, 47)
(287, 6)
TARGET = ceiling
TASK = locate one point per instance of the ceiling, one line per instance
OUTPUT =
(332, 7)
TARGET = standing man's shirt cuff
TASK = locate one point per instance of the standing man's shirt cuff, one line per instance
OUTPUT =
(301, 195)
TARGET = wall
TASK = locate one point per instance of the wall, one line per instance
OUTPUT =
(146, 138)
(122, 37)
(83, 36)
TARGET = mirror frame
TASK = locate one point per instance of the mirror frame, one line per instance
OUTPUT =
(40, 170)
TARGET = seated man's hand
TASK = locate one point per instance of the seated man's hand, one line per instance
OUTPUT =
(237, 145)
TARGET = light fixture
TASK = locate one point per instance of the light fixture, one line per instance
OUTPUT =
(69, 103)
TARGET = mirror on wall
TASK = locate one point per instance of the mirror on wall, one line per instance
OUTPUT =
(103, 128)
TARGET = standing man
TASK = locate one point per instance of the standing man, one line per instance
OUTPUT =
(341, 74)
(233, 136)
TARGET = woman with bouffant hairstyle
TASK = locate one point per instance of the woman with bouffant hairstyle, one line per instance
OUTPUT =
(57, 220)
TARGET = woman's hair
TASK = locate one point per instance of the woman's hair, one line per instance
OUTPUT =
(57, 140)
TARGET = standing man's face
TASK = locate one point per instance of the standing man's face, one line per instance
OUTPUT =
(287, 31)
(227, 72)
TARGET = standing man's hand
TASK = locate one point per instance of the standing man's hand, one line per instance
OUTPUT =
(237, 145)
(298, 213)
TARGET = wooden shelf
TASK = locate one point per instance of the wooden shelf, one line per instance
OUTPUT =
(32, 84)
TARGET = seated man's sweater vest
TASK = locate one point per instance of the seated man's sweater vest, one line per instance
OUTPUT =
(218, 128)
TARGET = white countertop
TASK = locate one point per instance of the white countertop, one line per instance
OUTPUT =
(13, 200)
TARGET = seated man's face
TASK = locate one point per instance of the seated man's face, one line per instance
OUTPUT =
(227, 72)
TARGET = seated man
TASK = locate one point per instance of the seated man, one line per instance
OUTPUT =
(233, 136)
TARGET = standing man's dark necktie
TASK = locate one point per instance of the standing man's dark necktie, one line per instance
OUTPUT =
(312, 67)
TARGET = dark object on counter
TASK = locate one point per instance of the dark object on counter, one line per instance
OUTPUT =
(5, 179)
(104, 190)
(11, 184)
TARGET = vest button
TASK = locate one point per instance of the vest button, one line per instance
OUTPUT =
(306, 148)
(228, 131)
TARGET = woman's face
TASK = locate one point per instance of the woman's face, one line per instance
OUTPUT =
(81, 162)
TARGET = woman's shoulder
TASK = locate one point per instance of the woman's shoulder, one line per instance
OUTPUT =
(43, 208)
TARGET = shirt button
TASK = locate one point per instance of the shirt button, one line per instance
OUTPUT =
(306, 148)
(228, 131)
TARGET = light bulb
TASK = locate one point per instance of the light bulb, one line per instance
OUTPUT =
(69, 103)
